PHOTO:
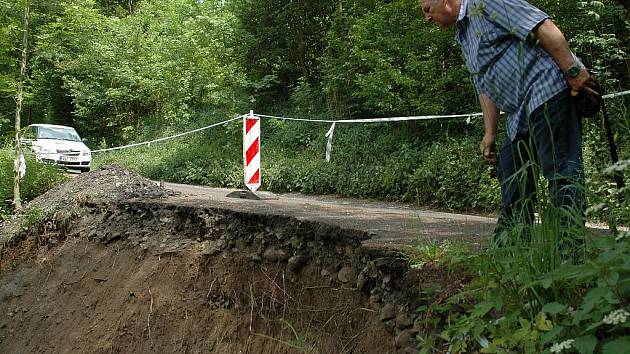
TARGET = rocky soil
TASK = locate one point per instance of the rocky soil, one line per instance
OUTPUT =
(108, 263)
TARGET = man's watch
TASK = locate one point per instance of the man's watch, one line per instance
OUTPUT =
(574, 70)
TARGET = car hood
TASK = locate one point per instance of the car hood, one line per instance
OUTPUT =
(60, 146)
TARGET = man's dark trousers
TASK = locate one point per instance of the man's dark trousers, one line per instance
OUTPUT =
(553, 142)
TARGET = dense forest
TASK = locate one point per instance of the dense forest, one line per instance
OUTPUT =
(110, 67)
(131, 70)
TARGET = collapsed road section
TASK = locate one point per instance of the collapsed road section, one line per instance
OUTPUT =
(108, 263)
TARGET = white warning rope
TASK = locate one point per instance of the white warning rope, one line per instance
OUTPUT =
(373, 120)
(169, 137)
(617, 94)
(333, 123)
(331, 131)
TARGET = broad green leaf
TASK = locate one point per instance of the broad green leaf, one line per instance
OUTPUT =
(554, 308)
(594, 296)
(617, 346)
(546, 282)
(585, 345)
(612, 278)
(553, 334)
(481, 309)
(490, 349)
(592, 327)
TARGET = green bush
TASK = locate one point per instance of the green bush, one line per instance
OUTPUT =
(38, 179)
(547, 287)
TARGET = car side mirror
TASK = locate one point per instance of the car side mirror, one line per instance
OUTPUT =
(27, 142)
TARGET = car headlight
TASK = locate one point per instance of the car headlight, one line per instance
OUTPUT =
(87, 153)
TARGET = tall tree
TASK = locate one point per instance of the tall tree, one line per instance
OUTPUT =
(18, 109)
(155, 66)
(10, 18)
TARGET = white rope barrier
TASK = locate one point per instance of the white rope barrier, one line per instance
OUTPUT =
(169, 137)
(373, 120)
(330, 133)
(617, 94)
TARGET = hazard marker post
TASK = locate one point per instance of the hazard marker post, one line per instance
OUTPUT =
(251, 161)
(251, 151)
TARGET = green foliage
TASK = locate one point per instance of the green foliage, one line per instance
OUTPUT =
(445, 170)
(163, 61)
(542, 293)
(283, 44)
(38, 179)
(9, 33)
(584, 305)
(36, 216)
(388, 61)
(212, 158)
(437, 253)
(607, 203)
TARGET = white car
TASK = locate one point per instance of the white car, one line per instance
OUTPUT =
(58, 144)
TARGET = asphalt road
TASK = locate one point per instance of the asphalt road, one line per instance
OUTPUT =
(390, 224)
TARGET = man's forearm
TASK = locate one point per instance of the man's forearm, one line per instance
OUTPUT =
(551, 38)
(490, 115)
(553, 41)
(490, 123)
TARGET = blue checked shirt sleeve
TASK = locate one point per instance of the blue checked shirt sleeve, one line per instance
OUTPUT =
(477, 85)
(516, 16)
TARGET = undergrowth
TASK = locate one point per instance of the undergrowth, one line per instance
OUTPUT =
(539, 294)
(38, 179)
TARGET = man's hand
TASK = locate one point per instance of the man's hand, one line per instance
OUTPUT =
(488, 148)
(584, 81)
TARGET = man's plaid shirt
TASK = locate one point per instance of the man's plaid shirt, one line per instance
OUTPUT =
(517, 75)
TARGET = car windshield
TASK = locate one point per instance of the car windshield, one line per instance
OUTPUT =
(57, 133)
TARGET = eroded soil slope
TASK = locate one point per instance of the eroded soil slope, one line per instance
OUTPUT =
(122, 269)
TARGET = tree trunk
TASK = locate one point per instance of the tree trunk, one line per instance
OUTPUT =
(17, 204)
(335, 93)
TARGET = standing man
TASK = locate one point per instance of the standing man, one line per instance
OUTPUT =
(521, 64)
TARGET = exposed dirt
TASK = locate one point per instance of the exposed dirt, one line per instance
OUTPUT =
(114, 266)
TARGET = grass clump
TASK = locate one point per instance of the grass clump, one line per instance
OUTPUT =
(550, 289)
(38, 179)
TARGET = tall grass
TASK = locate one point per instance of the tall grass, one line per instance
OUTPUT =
(545, 286)
(38, 179)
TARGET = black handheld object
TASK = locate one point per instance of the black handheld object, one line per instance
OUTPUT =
(587, 105)
(618, 176)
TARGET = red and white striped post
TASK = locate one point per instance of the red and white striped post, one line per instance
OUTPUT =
(251, 151)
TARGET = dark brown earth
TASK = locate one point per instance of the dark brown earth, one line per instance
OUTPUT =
(112, 262)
